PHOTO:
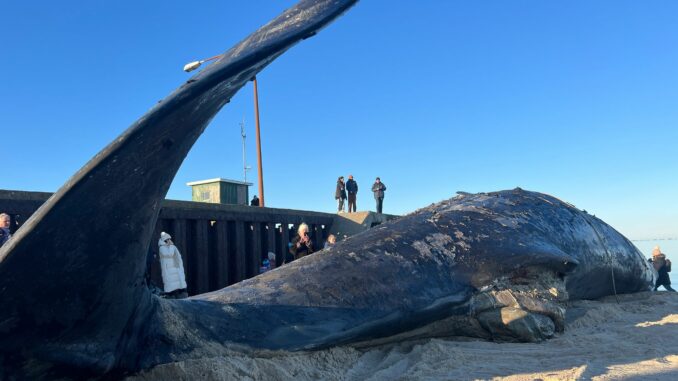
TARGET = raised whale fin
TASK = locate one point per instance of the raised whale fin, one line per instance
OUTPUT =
(71, 279)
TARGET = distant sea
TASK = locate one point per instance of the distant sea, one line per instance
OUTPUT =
(669, 247)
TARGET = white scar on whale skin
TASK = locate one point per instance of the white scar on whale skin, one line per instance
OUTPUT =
(434, 246)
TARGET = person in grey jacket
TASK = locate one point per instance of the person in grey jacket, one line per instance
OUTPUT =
(378, 188)
(352, 189)
(340, 194)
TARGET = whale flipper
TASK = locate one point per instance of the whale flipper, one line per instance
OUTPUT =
(72, 277)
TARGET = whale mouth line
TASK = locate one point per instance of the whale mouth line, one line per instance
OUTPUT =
(528, 311)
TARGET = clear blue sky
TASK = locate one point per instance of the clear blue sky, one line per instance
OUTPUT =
(576, 99)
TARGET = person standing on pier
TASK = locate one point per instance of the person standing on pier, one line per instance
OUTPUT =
(352, 189)
(340, 194)
(378, 188)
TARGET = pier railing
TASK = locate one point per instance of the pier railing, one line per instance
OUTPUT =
(220, 244)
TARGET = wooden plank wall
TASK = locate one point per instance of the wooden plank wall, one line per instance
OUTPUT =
(220, 244)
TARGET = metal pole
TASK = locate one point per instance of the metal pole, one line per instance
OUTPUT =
(244, 160)
(261, 171)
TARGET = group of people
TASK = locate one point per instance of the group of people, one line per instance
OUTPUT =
(349, 190)
(302, 245)
(172, 266)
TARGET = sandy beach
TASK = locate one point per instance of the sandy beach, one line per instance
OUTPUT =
(603, 340)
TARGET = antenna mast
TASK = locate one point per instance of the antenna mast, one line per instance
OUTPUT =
(245, 167)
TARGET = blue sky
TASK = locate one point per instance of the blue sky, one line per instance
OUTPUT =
(576, 99)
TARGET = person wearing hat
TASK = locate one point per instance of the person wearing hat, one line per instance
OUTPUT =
(340, 194)
(378, 188)
(663, 267)
(172, 267)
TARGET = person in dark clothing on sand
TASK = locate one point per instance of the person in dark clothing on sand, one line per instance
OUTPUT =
(301, 244)
(378, 188)
(340, 194)
(663, 267)
(352, 189)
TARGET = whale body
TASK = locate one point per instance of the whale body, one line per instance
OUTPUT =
(493, 265)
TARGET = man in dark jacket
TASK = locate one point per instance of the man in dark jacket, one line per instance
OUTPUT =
(340, 194)
(352, 189)
(378, 188)
(255, 201)
(663, 267)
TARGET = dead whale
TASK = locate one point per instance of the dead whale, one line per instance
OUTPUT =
(493, 265)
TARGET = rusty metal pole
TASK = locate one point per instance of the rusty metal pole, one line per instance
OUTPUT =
(256, 118)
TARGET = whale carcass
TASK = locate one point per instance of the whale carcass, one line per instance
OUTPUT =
(496, 265)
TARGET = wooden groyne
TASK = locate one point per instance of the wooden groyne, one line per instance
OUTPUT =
(220, 244)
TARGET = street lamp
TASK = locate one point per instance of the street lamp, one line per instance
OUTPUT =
(196, 64)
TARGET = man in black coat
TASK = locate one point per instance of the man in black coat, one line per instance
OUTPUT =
(340, 194)
(352, 189)
(378, 188)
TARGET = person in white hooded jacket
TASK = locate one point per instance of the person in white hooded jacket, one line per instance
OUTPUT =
(173, 277)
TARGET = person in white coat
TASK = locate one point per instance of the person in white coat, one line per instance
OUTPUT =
(173, 277)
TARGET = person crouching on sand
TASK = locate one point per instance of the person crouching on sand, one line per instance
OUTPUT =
(663, 267)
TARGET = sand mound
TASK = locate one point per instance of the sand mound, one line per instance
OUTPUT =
(603, 340)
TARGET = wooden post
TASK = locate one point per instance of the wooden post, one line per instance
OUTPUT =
(240, 252)
(201, 257)
(284, 240)
(270, 241)
(255, 255)
(179, 237)
(222, 278)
